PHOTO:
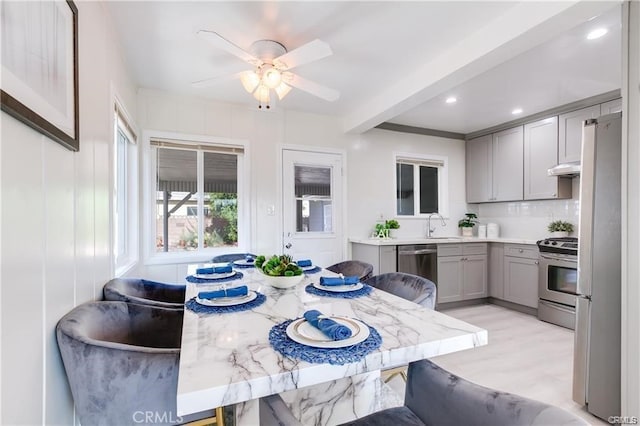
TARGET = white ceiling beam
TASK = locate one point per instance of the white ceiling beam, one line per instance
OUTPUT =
(519, 29)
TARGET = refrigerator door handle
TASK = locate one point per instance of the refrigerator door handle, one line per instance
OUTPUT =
(587, 187)
(581, 350)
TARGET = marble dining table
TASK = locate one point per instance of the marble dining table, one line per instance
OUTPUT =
(227, 359)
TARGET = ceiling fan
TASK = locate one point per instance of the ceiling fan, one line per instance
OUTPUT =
(272, 67)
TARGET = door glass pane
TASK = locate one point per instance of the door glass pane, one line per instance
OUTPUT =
(176, 188)
(428, 189)
(404, 189)
(314, 208)
(220, 200)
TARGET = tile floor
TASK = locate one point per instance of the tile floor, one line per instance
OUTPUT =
(517, 358)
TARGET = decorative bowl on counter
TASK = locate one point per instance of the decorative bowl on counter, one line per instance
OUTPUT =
(279, 271)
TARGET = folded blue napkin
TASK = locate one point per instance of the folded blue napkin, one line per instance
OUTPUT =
(331, 281)
(328, 326)
(304, 262)
(229, 292)
(214, 270)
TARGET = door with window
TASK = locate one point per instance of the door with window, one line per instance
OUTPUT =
(312, 206)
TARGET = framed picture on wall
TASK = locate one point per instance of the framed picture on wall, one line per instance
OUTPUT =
(40, 67)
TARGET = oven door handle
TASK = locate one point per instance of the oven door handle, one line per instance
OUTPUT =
(558, 258)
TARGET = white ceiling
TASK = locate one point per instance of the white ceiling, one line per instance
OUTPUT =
(376, 45)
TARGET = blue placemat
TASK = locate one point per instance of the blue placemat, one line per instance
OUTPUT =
(364, 291)
(194, 306)
(313, 271)
(336, 356)
(195, 280)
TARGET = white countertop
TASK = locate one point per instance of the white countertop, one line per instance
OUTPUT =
(438, 240)
(227, 359)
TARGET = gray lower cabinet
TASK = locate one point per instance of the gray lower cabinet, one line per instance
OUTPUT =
(383, 258)
(521, 274)
(462, 272)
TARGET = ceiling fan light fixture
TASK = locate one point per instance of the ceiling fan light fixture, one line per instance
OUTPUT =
(282, 90)
(250, 81)
(271, 78)
(262, 95)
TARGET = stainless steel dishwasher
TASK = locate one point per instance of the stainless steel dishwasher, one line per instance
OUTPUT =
(419, 259)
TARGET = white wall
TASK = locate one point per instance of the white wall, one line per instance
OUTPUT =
(529, 219)
(55, 230)
(371, 174)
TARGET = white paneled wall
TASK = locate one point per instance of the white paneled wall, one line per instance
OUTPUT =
(55, 230)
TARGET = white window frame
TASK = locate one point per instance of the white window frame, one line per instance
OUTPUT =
(151, 256)
(443, 182)
(123, 262)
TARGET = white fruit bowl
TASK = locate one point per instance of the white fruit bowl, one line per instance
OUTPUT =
(281, 282)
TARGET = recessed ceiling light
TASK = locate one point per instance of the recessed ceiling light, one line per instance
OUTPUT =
(451, 100)
(517, 111)
(597, 33)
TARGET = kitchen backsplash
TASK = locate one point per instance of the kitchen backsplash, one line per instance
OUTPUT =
(529, 219)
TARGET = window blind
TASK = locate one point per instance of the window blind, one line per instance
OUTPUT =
(176, 144)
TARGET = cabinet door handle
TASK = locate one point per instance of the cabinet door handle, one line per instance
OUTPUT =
(554, 195)
(520, 250)
(537, 263)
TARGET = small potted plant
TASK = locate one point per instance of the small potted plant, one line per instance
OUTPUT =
(559, 228)
(381, 231)
(467, 224)
(392, 225)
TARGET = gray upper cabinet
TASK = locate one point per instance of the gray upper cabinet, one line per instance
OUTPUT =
(507, 164)
(479, 164)
(611, 107)
(541, 153)
(570, 132)
(494, 167)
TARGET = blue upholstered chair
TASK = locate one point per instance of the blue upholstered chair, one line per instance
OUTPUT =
(145, 292)
(410, 287)
(350, 268)
(436, 397)
(122, 361)
(230, 257)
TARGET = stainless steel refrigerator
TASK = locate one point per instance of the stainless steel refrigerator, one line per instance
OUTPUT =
(596, 363)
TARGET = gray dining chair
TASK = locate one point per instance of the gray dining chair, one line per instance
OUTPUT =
(145, 292)
(433, 396)
(121, 362)
(410, 287)
(230, 257)
(350, 268)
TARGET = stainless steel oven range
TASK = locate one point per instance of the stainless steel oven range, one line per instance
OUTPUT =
(558, 281)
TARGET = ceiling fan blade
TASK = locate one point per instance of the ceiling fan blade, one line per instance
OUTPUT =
(206, 82)
(222, 43)
(304, 54)
(311, 87)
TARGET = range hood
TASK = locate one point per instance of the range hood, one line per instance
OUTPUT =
(565, 169)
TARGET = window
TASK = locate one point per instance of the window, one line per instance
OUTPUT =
(197, 201)
(421, 185)
(125, 195)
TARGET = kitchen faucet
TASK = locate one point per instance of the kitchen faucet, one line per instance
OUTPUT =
(429, 228)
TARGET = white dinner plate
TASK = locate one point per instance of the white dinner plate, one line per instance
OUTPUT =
(307, 268)
(301, 331)
(228, 301)
(243, 262)
(215, 276)
(338, 288)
